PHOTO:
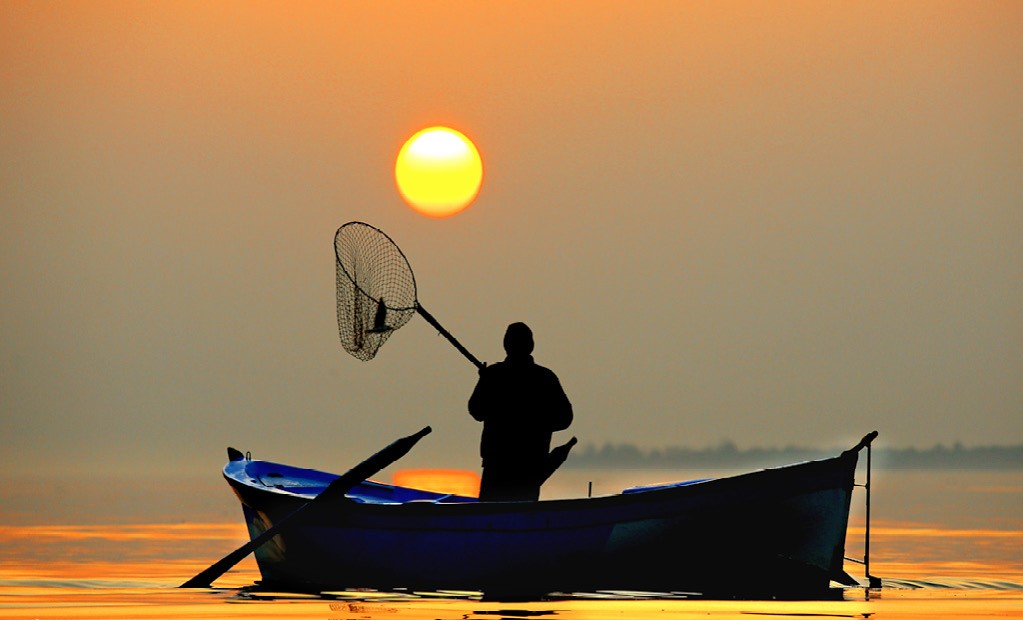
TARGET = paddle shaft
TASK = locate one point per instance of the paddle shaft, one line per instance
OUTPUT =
(443, 332)
(335, 490)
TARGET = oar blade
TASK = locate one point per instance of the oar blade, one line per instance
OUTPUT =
(211, 573)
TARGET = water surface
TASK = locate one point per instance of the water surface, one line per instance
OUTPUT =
(946, 544)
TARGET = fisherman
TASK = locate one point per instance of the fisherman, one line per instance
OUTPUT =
(521, 404)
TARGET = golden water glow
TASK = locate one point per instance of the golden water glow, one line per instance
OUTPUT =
(122, 555)
(439, 172)
(127, 532)
(455, 481)
(127, 572)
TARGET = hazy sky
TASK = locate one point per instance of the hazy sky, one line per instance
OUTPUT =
(771, 222)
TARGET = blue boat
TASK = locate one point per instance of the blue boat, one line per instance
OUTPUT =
(776, 532)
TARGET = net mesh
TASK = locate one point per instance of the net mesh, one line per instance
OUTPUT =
(376, 291)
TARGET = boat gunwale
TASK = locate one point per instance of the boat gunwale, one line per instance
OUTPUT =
(658, 502)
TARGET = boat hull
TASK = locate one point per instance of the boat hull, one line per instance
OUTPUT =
(773, 532)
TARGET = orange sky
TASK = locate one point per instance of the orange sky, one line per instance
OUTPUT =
(774, 223)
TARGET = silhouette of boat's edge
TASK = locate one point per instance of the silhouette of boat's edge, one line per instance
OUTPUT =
(777, 533)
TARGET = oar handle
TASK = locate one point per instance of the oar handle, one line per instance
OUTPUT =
(343, 483)
(443, 332)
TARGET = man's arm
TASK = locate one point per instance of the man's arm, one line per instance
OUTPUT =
(478, 401)
(561, 407)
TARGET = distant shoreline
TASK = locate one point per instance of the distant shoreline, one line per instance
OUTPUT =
(727, 456)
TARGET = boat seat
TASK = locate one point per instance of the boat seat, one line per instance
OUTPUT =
(364, 499)
(298, 490)
(450, 498)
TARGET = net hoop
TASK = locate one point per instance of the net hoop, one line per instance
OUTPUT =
(376, 289)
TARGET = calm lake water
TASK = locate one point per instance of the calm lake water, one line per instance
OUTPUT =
(948, 544)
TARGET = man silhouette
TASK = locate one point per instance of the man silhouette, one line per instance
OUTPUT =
(521, 404)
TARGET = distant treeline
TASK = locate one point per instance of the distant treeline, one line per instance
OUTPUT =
(727, 455)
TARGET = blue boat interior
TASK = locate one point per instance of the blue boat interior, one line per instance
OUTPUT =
(311, 482)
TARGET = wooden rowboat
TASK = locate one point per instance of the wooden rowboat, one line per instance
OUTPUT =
(772, 532)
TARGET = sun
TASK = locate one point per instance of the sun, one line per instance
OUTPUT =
(438, 171)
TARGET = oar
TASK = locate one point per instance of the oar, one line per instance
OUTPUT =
(335, 490)
(556, 457)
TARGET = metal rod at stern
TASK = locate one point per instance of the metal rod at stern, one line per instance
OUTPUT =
(872, 581)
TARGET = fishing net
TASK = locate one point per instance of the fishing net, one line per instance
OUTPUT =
(376, 290)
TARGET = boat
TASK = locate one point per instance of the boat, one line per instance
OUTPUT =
(774, 532)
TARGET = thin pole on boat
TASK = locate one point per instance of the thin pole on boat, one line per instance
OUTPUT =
(866, 542)
(872, 581)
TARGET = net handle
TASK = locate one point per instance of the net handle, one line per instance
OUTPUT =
(443, 332)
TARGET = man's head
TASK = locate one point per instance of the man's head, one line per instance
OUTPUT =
(518, 340)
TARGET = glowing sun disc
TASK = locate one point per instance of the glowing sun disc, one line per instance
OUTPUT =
(438, 171)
